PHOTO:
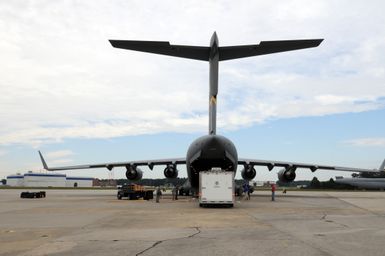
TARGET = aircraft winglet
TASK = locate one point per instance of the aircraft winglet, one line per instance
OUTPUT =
(382, 166)
(43, 161)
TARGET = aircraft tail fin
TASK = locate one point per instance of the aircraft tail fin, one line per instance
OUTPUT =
(214, 54)
(43, 161)
(265, 47)
(164, 48)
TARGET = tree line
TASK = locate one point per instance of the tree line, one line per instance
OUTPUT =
(316, 184)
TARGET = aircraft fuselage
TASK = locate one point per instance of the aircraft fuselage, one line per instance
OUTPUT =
(207, 152)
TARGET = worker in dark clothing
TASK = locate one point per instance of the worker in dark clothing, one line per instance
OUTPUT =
(176, 192)
(246, 191)
(273, 192)
(173, 193)
(158, 193)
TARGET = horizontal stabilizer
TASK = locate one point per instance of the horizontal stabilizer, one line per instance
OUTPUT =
(164, 48)
(265, 47)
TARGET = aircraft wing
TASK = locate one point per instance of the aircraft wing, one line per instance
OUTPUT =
(110, 166)
(270, 164)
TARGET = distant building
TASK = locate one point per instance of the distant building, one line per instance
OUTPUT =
(259, 183)
(44, 180)
(32, 179)
(269, 183)
(79, 182)
(104, 183)
(16, 180)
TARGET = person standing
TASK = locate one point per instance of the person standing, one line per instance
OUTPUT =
(173, 191)
(176, 192)
(273, 192)
(248, 191)
(158, 193)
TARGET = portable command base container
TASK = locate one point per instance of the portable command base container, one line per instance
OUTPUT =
(216, 188)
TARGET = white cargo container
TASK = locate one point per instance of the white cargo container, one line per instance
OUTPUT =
(216, 187)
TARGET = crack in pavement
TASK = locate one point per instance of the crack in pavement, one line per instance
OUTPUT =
(323, 218)
(161, 241)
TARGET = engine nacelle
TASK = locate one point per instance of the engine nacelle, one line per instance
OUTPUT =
(287, 175)
(170, 172)
(133, 173)
(249, 172)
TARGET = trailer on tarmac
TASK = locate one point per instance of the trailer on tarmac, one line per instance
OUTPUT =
(216, 188)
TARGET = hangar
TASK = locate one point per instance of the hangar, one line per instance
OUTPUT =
(16, 180)
(31, 179)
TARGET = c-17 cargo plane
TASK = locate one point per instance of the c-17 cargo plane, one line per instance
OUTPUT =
(366, 180)
(212, 150)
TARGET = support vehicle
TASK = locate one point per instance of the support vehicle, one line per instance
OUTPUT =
(216, 188)
(134, 192)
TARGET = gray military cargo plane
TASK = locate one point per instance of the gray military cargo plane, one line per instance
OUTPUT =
(211, 150)
(372, 180)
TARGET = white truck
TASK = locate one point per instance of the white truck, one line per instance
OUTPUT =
(216, 188)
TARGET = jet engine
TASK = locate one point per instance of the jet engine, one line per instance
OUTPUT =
(287, 175)
(248, 172)
(170, 172)
(133, 173)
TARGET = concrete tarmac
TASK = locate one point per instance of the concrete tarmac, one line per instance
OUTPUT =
(94, 222)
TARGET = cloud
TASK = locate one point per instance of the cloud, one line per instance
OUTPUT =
(61, 79)
(3, 152)
(367, 142)
(59, 157)
(59, 154)
(61, 161)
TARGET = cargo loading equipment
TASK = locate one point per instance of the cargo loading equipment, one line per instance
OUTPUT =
(134, 192)
(216, 188)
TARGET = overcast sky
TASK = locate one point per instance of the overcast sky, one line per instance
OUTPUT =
(66, 91)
